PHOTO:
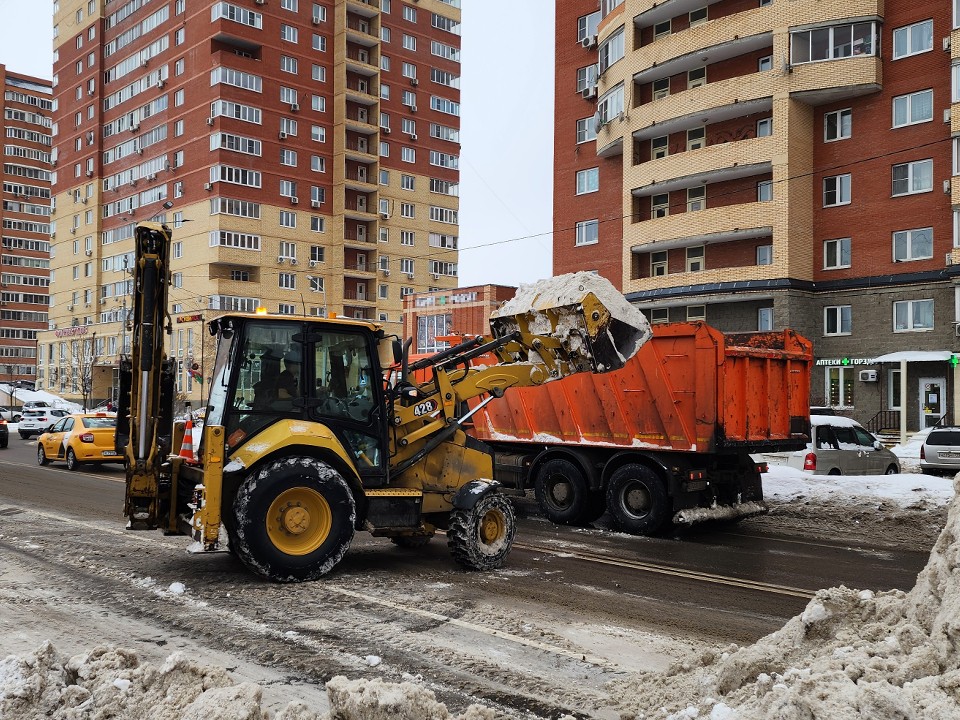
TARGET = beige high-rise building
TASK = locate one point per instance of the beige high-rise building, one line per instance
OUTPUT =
(305, 154)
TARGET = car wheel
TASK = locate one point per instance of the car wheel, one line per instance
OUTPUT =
(24, 435)
(834, 471)
(72, 462)
(41, 455)
(4, 442)
(16, 418)
(892, 470)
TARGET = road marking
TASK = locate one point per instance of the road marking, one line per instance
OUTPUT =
(675, 572)
(111, 478)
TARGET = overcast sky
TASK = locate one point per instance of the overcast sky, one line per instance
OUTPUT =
(506, 128)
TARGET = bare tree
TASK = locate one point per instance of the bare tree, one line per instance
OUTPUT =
(85, 357)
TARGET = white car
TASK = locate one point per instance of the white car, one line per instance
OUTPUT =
(35, 421)
(841, 446)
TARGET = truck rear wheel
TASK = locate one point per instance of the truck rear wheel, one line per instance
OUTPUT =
(293, 519)
(637, 500)
(562, 492)
(480, 538)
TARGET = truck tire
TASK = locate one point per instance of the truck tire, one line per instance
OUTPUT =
(481, 538)
(293, 519)
(562, 492)
(637, 500)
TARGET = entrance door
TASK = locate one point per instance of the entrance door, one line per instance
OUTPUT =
(932, 397)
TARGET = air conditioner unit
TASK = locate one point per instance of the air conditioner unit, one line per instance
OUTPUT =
(293, 261)
(146, 61)
(88, 253)
(386, 272)
(73, 231)
(314, 203)
(385, 215)
(160, 83)
(280, 259)
(385, 130)
(589, 92)
(410, 275)
(946, 187)
(294, 107)
(413, 108)
(83, 200)
(589, 41)
(135, 127)
(152, 176)
(89, 173)
(868, 376)
(315, 19)
(208, 186)
(413, 136)
(435, 276)
(86, 304)
(210, 121)
(414, 82)
(283, 135)
(294, 200)
(259, 2)
(90, 92)
(314, 263)
(946, 115)
(70, 307)
(946, 43)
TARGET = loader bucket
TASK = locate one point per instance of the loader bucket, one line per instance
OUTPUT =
(576, 323)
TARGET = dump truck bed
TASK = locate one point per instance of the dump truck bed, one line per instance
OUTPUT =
(690, 388)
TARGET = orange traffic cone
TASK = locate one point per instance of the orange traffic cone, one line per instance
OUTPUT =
(187, 451)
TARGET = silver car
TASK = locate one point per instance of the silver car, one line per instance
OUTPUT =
(842, 447)
(940, 452)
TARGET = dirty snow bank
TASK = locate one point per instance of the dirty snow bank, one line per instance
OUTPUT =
(113, 683)
(849, 654)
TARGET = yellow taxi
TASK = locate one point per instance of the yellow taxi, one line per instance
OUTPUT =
(80, 438)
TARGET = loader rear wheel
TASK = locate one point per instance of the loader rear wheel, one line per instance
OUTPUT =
(562, 492)
(637, 500)
(480, 538)
(293, 519)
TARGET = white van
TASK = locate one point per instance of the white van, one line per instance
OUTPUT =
(841, 446)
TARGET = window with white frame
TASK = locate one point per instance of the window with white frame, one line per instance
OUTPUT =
(916, 244)
(837, 320)
(833, 42)
(587, 232)
(696, 198)
(765, 319)
(765, 191)
(764, 127)
(765, 63)
(913, 108)
(765, 255)
(695, 259)
(912, 315)
(836, 190)
(836, 254)
(662, 29)
(659, 315)
(409, 42)
(659, 205)
(408, 154)
(288, 219)
(288, 64)
(408, 210)
(955, 81)
(837, 125)
(661, 88)
(912, 177)
(956, 229)
(893, 389)
(407, 266)
(408, 182)
(696, 78)
(409, 13)
(610, 105)
(913, 39)
(587, 25)
(588, 181)
(586, 130)
(659, 147)
(586, 77)
(408, 238)
(698, 16)
(696, 312)
(288, 33)
(287, 281)
(659, 263)
(696, 138)
(611, 50)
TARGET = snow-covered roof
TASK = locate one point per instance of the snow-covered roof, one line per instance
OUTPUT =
(914, 356)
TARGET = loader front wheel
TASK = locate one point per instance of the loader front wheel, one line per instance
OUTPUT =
(637, 500)
(481, 537)
(562, 492)
(293, 519)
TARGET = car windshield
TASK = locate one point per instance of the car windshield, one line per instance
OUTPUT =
(93, 423)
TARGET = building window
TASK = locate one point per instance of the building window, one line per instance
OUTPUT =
(288, 219)
(696, 312)
(587, 26)
(588, 181)
(913, 39)
(832, 43)
(586, 130)
(913, 108)
(408, 237)
(839, 388)
(696, 78)
(913, 177)
(836, 190)
(765, 191)
(588, 232)
(912, 315)
(611, 50)
(893, 389)
(913, 244)
(837, 125)
(837, 320)
(696, 198)
(765, 255)
(765, 319)
(836, 254)
(695, 259)
(661, 29)
(659, 205)
(287, 281)
(408, 154)
(658, 263)
(659, 315)
(764, 127)
(661, 88)
(696, 138)
(698, 16)
(765, 63)
(660, 147)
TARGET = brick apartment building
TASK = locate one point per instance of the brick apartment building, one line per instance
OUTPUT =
(305, 153)
(764, 164)
(430, 316)
(25, 263)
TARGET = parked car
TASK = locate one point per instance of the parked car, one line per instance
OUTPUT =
(11, 414)
(4, 434)
(80, 438)
(940, 452)
(36, 420)
(36, 404)
(841, 446)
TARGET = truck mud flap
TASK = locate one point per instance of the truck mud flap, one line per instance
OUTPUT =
(689, 516)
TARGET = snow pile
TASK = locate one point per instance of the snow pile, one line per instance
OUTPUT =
(113, 683)
(848, 655)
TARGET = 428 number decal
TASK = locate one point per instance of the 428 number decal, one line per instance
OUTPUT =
(425, 408)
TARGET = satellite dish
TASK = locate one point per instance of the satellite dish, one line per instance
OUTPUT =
(597, 123)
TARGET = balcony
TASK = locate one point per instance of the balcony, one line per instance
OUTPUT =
(359, 123)
(364, 8)
(711, 164)
(362, 93)
(721, 172)
(720, 224)
(358, 61)
(359, 183)
(359, 152)
(360, 32)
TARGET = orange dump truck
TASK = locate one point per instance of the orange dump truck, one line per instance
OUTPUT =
(665, 439)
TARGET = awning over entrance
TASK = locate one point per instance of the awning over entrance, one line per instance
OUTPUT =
(915, 356)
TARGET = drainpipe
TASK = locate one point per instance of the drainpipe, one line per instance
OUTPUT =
(903, 402)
